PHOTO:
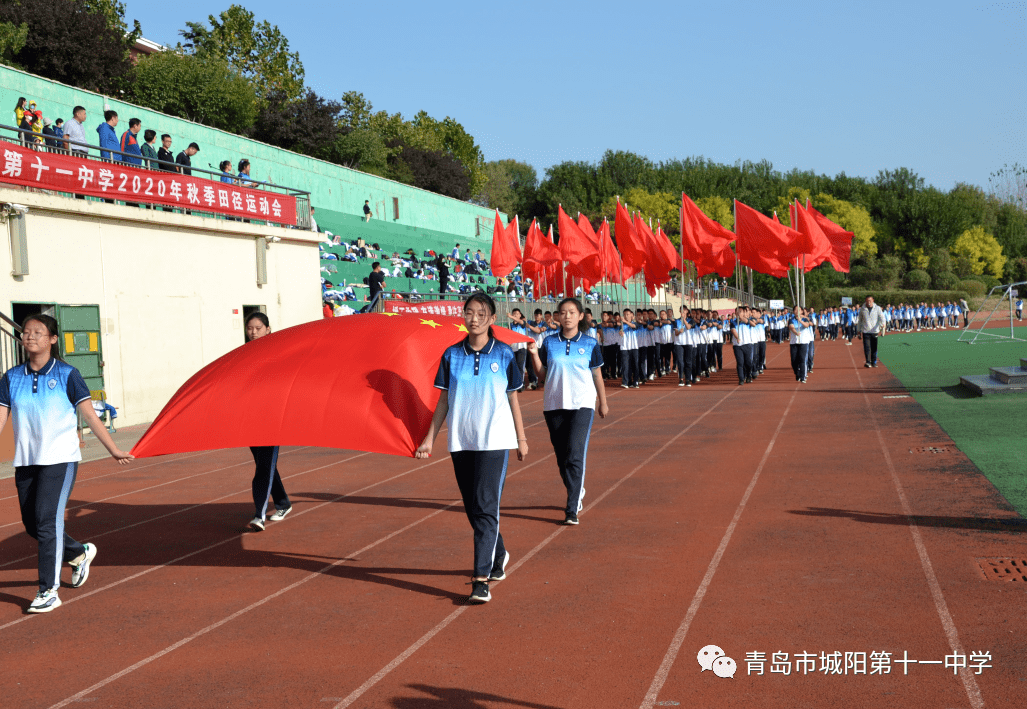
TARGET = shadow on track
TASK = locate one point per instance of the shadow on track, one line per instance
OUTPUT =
(983, 524)
(455, 698)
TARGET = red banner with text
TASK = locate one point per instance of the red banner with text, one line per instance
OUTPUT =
(431, 307)
(117, 180)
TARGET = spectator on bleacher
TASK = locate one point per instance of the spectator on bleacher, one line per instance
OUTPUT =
(409, 273)
(130, 142)
(226, 174)
(165, 155)
(58, 127)
(367, 210)
(183, 160)
(19, 111)
(27, 120)
(313, 224)
(376, 280)
(75, 133)
(148, 151)
(108, 138)
(479, 259)
(49, 135)
(328, 311)
(456, 253)
(37, 126)
(244, 174)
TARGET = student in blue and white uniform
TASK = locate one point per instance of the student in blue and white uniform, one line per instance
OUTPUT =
(629, 351)
(267, 482)
(519, 325)
(684, 352)
(570, 363)
(1019, 308)
(800, 329)
(41, 398)
(480, 379)
(759, 350)
(741, 339)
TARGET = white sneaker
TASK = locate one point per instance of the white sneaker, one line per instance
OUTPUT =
(81, 572)
(257, 524)
(279, 515)
(45, 601)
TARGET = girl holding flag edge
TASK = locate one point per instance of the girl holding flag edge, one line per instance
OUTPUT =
(570, 364)
(480, 380)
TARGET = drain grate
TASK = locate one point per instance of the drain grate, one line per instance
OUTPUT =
(1004, 569)
(931, 449)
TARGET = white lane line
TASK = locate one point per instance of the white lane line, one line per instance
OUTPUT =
(191, 507)
(700, 593)
(399, 659)
(121, 469)
(78, 697)
(973, 692)
(224, 541)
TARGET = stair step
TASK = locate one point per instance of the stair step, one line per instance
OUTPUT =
(1023, 363)
(986, 385)
(1010, 375)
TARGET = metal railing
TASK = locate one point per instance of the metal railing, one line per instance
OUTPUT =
(65, 146)
(12, 352)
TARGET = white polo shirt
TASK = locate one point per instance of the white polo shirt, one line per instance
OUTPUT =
(569, 364)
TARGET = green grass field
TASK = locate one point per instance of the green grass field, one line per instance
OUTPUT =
(990, 430)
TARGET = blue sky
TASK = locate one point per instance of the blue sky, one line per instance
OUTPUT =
(938, 87)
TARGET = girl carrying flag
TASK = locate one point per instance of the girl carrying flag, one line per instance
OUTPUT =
(570, 364)
(480, 380)
(267, 483)
(41, 398)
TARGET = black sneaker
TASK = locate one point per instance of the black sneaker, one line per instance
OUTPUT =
(570, 519)
(499, 570)
(479, 592)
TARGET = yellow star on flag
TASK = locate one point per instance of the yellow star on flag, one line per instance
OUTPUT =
(461, 328)
(432, 323)
(389, 315)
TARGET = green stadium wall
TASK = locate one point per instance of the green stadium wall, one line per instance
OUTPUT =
(337, 193)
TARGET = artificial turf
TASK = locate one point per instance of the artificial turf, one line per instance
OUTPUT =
(989, 430)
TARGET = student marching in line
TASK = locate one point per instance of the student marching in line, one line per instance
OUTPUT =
(629, 351)
(684, 350)
(800, 330)
(570, 364)
(480, 379)
(267, 482)
(741, 340)
(519, 325)
(539, 330)
(41, 398)
(1019, 308)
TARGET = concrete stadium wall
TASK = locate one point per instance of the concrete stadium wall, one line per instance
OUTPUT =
(333, 188)
(170, 287)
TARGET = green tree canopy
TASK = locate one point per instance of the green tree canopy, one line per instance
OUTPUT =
(202, 89)
(978, 252)
(256, 50)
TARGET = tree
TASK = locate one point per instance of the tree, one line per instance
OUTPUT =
(433, 170)
(719, 209)
(71, 44)
(309, 126)
(450, 137)
(201, 89)
(1009, 184)
(979, 252)
(12, 38)
(258, 51)
(498, 192)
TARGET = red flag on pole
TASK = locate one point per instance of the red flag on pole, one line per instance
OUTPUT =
(817, 247)
(705, 242)
(614, 271)
(579, 251)
(841, 240)
(763, 244)
(505, 256)
(630, 243)
(540, 256)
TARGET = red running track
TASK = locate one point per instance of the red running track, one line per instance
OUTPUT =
(773, 518)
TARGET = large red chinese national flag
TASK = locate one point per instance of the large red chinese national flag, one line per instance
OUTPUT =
(505, 255)
(579, 251)
(363, 382)
(841, 240)
(631, 244)
(763, 244)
